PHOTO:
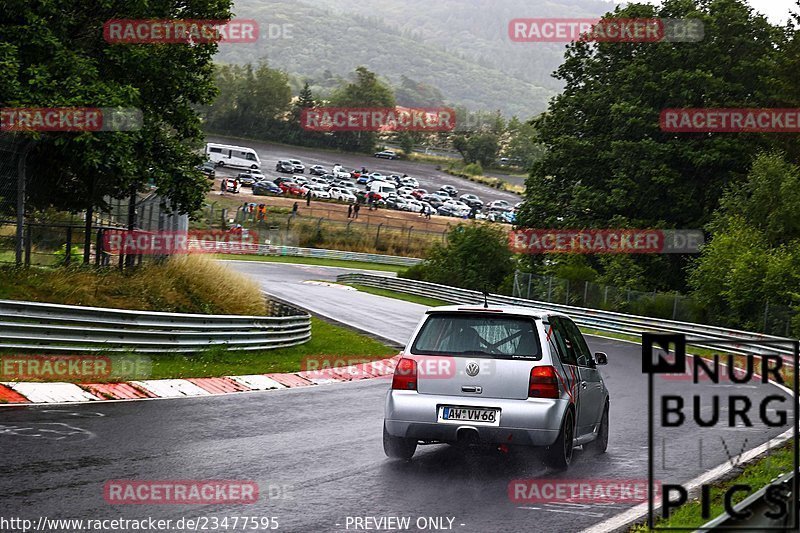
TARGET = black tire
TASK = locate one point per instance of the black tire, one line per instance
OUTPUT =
(600, 445)
(254, 167)
(398, 447)
(559, 455)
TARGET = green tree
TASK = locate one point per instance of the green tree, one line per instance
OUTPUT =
(475, 257)
(477, 148)
(523, 143)
(366, 91)
(607, 159)
(53, 54)
(253, 101)
(753, 256)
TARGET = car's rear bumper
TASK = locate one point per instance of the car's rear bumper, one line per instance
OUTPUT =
(535, 422)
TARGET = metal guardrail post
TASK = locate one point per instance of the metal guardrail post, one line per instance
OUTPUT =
(28, 244)
(68, 255)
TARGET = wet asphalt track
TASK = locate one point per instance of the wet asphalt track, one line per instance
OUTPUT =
(323, 445)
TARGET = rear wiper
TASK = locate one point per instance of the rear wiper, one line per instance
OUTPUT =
(475, 352)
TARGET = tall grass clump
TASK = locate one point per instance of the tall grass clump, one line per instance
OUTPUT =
(182, 284)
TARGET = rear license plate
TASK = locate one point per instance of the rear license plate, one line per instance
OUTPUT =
(451, 414)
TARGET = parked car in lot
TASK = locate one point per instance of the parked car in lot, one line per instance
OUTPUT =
(419, 193)
(433, 200)
(408, 181)
(342, 195)
(266, 188)
(387, 154)
(449, 190)
(471, 200)
(347, 184)
(281, 179)
(299, 168)
(284, 166)
(318, 191)
(450, 210)
(395, 202)
(292, 188)
(363, 179)
(317, 170)
(339, 172)
(499, 205)
(319, 180)
(415, 206)
(300, 179)
(209, 169)
(249, 177)
(498, 375)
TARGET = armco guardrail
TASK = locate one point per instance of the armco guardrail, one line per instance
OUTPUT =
(294, 251)
(337, 254)
(701, 335)
(68, 328)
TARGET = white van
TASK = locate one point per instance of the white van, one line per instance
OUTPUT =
(381, 187)
(226, 155)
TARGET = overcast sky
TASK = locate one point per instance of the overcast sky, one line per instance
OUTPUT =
(777, 11)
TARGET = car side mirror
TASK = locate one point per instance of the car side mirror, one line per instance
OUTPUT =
(601, 358)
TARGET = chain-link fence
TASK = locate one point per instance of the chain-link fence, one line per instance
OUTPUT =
(765, 318)
(311, 228)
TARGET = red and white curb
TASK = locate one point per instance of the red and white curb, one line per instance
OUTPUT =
(48, 393)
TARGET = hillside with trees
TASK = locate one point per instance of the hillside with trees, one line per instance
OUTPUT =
(460, 50)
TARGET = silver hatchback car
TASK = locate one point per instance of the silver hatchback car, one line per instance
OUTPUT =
(500, 376)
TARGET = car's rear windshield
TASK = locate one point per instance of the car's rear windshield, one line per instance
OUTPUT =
(478, 334)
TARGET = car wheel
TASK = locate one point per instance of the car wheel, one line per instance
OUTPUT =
(559, 454)
(254, 167)
(600, 445)
(221, 164)
(398, 447)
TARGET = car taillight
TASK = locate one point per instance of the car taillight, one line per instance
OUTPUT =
(543, 383)
(405, 375)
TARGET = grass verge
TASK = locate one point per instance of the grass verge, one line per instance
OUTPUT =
(413, 298)
(326, 340)
(339, 263)
(756, 475)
